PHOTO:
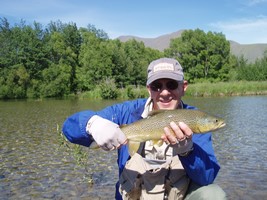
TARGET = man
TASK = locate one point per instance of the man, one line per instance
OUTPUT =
(184, 167)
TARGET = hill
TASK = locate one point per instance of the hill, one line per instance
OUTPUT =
(250, 51)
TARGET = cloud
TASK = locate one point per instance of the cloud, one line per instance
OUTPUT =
(255, 2)
(246, 24)
(245, 30)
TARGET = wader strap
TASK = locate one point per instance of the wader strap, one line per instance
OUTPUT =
(140, 150)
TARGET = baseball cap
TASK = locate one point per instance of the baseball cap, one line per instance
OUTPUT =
(164, 68)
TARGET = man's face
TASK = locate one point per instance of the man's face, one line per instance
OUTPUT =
(166, 93)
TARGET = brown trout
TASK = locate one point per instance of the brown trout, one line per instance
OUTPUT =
(151, 128)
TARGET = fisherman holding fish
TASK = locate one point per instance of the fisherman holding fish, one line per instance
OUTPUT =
(160, 156)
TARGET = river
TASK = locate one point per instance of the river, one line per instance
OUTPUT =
(34, 164)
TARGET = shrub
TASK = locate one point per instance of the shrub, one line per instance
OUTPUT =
(108, 89)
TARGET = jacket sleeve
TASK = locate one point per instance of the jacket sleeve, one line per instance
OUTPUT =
(74, 127)
(201, 164)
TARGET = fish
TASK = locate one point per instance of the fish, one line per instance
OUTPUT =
(151, 128)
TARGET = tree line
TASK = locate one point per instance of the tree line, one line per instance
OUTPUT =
(61, 59)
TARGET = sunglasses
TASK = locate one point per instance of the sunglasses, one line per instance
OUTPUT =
(170, 85)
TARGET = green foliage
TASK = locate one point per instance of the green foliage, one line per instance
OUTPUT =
(253, 72)
(78, 152)
(62, 60)
(108, 89)
(56, 81)
(130, 92)
(203, 55)
(139, 92)
(35, 90)
(14, 82)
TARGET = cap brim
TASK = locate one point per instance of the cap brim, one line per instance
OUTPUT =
(177, 77)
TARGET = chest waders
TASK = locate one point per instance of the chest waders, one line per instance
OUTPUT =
(140, 180)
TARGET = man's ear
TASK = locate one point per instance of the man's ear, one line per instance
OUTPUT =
(185, 85)
(148, 89)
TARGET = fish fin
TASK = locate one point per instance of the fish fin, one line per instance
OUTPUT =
(156, 142)
(133, 147)
(159, 143)
(94, 145)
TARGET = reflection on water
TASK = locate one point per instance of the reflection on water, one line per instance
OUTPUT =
(241, 146)
(33, 166)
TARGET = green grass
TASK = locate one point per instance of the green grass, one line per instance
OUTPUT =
(237, 88)
(227, 89)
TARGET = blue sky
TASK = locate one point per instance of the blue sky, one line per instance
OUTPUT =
(244, 21)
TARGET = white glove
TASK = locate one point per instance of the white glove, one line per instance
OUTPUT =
(106, 134)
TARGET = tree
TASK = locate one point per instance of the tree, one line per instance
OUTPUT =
(14, 82)
(56, 81)
(94, 60)
(138, 57)
(252, 72)
(203, 56)
(65, 43)
(5, 44)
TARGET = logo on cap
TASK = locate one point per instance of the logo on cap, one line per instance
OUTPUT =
(163, 67)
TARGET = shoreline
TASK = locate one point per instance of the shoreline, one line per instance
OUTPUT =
(223, 89)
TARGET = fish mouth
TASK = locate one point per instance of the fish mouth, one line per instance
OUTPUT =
(219, 126)
(222, 125)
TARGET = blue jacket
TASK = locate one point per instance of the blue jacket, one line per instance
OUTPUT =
(201, 165)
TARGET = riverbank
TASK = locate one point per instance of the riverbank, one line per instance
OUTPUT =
(238, 88)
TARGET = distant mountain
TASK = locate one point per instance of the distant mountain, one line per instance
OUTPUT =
(250, 51)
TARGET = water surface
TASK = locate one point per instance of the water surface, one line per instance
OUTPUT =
(33, 164)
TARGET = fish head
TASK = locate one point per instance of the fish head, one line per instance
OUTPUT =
(209, 123)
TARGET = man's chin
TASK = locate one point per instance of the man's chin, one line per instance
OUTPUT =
(166, 106)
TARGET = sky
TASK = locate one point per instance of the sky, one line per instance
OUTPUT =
(243, 21)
